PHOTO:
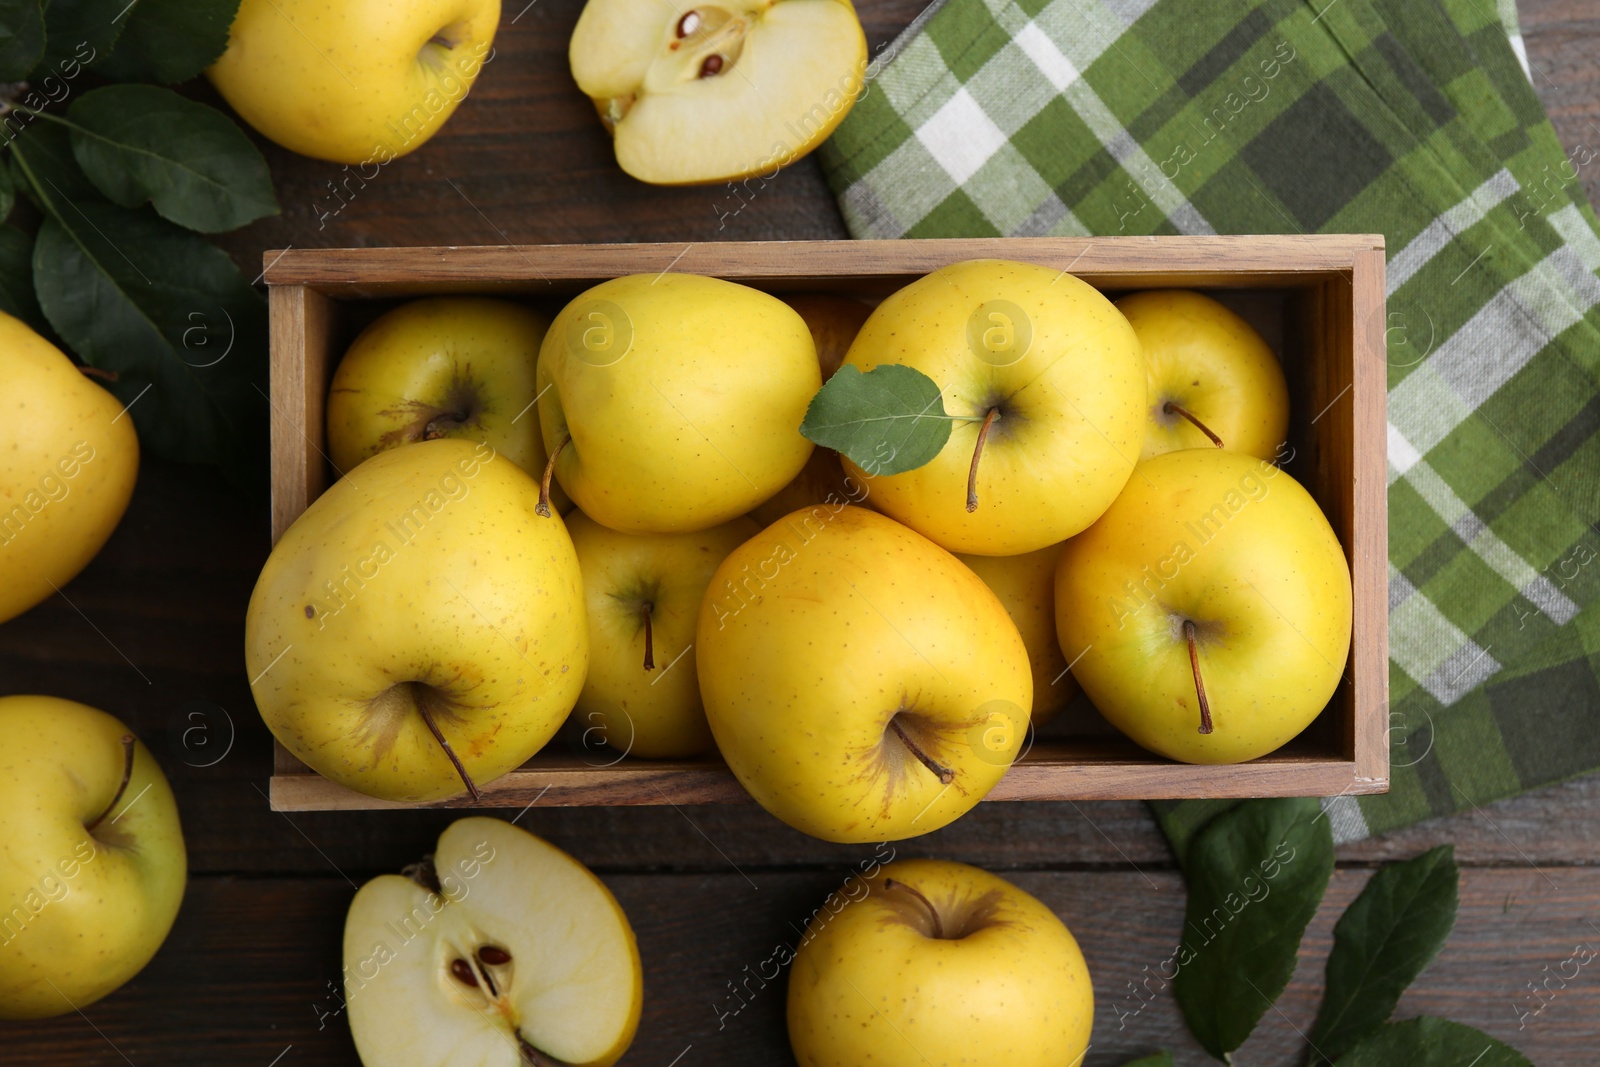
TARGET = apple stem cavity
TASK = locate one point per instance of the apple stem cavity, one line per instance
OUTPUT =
(543, 507)
(1172, 408)
(1199, 686)
(943, 773)
(890, 884)
(423, 698)
(129, 742)
(977, 453)
(649, 643)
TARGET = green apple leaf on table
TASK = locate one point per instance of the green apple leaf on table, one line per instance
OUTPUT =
(888, 420)
(1429, 1042)
(170, 41)
(1384, 939)
(21, 38)
(1256, 875)
(141, 143)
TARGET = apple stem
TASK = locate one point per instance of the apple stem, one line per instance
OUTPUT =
(543, 507)
(442, 423)
(433, 727)
(944, 774)
(977, 453)
(128, 743)
(649, 645)
(98, 372)
(1199, 686)
(933, 913)
(1174, 409)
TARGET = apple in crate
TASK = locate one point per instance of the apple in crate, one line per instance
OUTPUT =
(1026, 585)
(440, 367)
(498, 949)
(642, 593)
(672, 402)
(420, 628)
(94, 863)
(1208, 611)
(1047, 385)
(938, 962)
(715, 91)
(1213, 380)
(861, 683)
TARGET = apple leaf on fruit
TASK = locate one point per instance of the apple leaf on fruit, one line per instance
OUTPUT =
(1382, 942)
(21, 39)
(1429, 1042)
(888, 420)
(1256, 875)
(170, 40)
(163, 308)
(16, 277)
(1158, 1059)
(142, 142)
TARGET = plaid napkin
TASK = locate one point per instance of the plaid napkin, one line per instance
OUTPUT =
(1412, 118)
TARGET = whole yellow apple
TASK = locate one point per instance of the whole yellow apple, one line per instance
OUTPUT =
(642, 593)
(861, 683)
(1026, 585)
(1213, 380)
(68, 461)
(1208, 611)
(419, 628)
(444, 366)
(92, 863)
(938, 963)
(1047, 385)
(358, 81)
(672, 402)
(499, 948)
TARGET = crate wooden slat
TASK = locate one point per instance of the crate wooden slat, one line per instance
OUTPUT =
(1327, 290)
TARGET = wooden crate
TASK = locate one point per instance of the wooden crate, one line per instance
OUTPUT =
(1319, 299)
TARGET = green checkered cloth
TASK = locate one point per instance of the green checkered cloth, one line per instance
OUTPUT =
(1411, 118)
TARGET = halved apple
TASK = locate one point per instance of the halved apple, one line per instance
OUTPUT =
(500, 949)
(721, 90)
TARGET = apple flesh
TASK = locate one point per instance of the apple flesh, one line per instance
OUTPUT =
(941, 963)
(1026, 585)
(1208, 611)
(1214, 382)
(642, 593)
(498, 949)
(94, 863)
(419, 630)
(717, 91)
(861, 683)
(440, 367)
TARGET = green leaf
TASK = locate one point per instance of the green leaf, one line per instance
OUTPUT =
(171, 40)
(163, 308)
(887, 421)
(1382, 942)
(1256, 875)
(16, 277)
(8, 194)
(78, 33)
(21, 38)
(1159, 1059)
(1430, 1042)
(141, 142)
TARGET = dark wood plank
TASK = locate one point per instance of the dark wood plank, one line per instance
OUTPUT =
(245, 975)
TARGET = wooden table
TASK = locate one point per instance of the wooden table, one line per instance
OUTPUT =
(153, 633)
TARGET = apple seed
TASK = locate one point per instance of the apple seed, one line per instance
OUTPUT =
(711, 65)
(688, 24)
(462, 972)
(494, 955)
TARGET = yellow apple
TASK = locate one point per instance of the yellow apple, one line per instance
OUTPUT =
(861, 683)
(92, 864)
(498, 948)
(1213, 380)
(68, 461)
(445, 366)
(717, 91)
(1047, 385)
(642, 593)
(672, 402)
(420, 628)
(938, 963)
(1208, 611)
(1026, 585)
(357, 81)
